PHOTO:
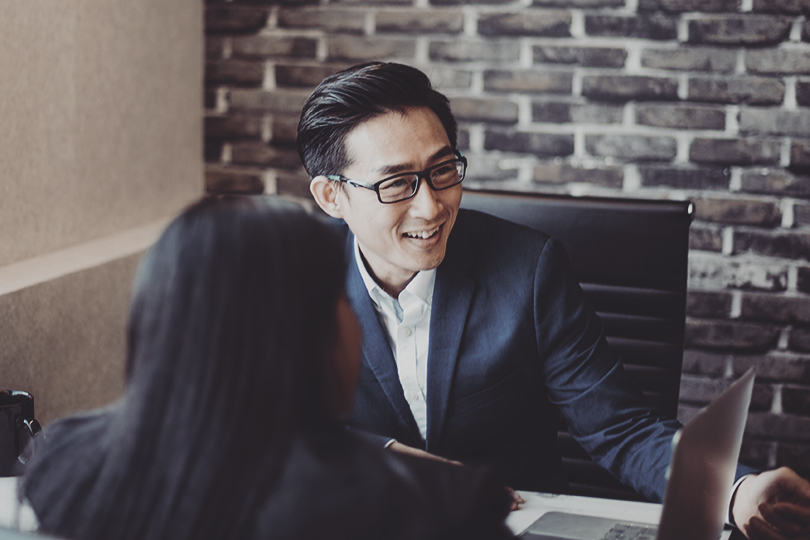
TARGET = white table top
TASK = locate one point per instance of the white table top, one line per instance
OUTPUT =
(538, 504)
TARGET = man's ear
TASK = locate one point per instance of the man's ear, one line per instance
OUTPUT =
(325, 192)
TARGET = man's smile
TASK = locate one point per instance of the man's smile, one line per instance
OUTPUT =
(423, 235)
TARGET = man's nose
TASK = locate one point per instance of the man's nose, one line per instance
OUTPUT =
(425, 204)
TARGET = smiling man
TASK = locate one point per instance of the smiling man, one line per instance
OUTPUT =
(474, 330)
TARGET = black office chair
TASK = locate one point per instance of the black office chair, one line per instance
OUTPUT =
(630, 256)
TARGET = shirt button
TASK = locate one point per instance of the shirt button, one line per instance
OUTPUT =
(414, 396)
(406, 332)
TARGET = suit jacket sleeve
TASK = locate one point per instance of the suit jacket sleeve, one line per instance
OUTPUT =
(604, 410)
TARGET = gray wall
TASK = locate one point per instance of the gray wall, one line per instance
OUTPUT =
(100, 144)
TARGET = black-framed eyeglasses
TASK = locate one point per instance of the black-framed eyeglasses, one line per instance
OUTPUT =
(401, 187)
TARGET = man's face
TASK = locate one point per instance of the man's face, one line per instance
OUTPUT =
(400, 239)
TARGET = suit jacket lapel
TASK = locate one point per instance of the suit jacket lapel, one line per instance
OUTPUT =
(452, 296)
(376, 350)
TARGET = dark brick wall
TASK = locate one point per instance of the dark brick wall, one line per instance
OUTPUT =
(701, 99)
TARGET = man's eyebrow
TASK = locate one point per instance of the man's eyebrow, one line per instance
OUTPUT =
(388, 170)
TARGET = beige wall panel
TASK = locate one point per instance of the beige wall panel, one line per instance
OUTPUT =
(64, 340)
(101, 118)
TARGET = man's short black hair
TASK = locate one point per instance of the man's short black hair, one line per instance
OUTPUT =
(352, 96)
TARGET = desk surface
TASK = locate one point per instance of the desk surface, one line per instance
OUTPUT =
(538, 504)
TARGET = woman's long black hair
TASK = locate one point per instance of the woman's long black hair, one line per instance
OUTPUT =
(232, 315)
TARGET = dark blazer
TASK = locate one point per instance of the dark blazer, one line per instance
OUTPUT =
(511, 336)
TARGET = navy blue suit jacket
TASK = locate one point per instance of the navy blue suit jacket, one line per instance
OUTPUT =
(511, 338)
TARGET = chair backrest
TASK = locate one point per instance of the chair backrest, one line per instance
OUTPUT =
(630, 256)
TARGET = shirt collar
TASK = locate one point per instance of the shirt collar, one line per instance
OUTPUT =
(421, 286)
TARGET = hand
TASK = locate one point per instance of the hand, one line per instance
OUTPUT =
(397, 446)
(517, 500)
(773, 505)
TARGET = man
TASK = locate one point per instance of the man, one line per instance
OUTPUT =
(473, 328)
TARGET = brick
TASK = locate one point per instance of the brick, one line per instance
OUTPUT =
(749, 151)
(738, 211)
(526, 22)
(235, 19)
(330, 20)
(776, 308)
(681, 178)
(705, 6)
(775, 366)
(212, 151)
(730, 335)
(643, 26)
(306, 76)
(705, 238)
(529, 81)
(233, 127)
(231, 180)
(704, 363)
(446, 77)
(708, 304)
(756, 453)
(629, 87)
(262, 46)
(796, 400)
(778, 61)
(284, 130)
(257, 153)
(702, 390)
(800, 155)
(541, 144)
(471, 50)
(709, 271)
(803, 281)
(563, 112)
(342, 47)
(801, 214)
(564, 173)
(633, 147)
(789, 245)
(737, 90)
(574, 4)
(782, 7)
(581, 56)
(799, 339)
(795, 456)
(234, 72)
(681, 116)
(369, 2)
(775, 182)
(685, 58)
(293, 185)
(776, 426)
(258, 100)
(420, 21)
(739, 30)
(488, 169)
(214, 48)
(501, 111)
(464, 2)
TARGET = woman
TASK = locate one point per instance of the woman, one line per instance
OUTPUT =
(242, 358)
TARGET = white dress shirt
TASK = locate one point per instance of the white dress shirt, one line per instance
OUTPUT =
(407, 322)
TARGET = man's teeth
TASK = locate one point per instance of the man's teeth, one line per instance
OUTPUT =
(422, 234)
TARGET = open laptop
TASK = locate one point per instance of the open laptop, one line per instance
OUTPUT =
(700, 477)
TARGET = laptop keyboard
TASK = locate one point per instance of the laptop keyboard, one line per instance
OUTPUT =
(626, 531)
